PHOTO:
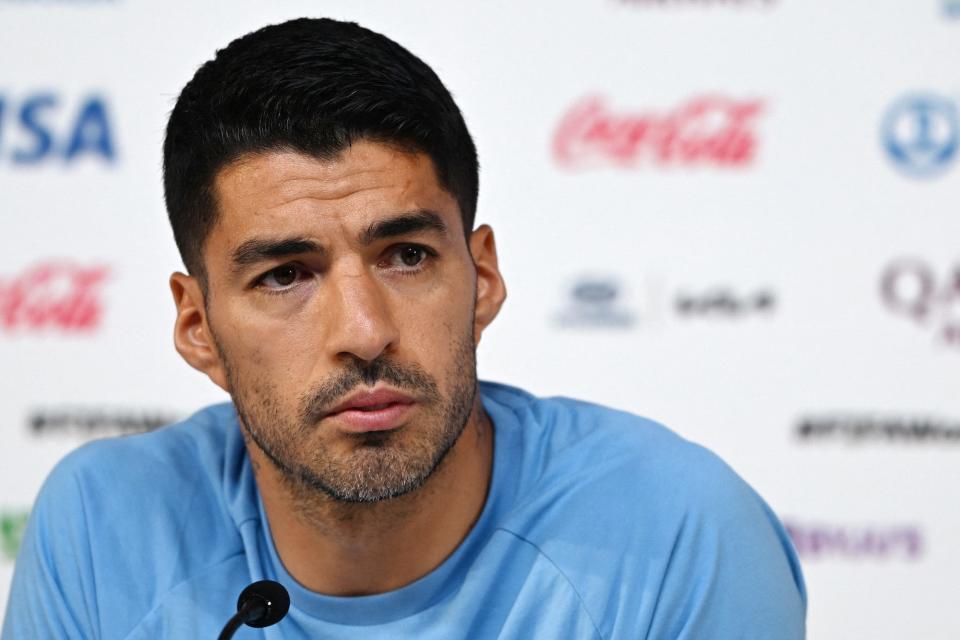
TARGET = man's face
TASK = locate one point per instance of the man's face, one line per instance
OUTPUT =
(341, 300)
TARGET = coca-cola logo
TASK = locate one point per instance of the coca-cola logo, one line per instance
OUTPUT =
(705, 131)
(53, 295)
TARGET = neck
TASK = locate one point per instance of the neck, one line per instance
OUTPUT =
(350, 549)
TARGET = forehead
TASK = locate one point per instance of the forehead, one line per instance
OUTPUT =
(286, 191)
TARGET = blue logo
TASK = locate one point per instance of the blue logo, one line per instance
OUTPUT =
(951, 8)
(921, 134)
(594, 302)
(40, 127)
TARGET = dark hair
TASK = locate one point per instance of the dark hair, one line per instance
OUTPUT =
(312, 86)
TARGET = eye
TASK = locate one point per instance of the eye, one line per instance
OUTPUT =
(280, 278)
(408, 257)
(412, 256)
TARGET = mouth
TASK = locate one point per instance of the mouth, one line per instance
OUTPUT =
(376, 410)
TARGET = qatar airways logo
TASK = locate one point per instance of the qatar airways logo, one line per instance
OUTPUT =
(930, 297)
(53, 296)
(705, 131)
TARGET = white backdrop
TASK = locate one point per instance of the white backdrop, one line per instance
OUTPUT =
(739, 217)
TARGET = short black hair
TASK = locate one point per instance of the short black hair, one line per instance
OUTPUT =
(313, 86)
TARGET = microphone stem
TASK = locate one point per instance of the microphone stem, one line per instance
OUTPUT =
(231, 627)
(252, 609)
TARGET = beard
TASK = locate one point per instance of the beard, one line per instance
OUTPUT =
(378, 465)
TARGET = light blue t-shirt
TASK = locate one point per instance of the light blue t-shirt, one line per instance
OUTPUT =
(598, 525)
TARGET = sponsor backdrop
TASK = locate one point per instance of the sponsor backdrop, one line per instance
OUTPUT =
(738, 217)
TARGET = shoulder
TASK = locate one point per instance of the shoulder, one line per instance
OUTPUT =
(127, 519)
(164, 480)
(633, 514)
(153, 471)
(598, 443)
(184, 442)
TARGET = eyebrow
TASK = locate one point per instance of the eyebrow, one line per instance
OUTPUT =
(257, 250)
(412, 222)
(261, 249)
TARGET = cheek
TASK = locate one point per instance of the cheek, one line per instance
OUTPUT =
(433, 329)
(281, 350)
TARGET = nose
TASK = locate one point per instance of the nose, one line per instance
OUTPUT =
(359, 317)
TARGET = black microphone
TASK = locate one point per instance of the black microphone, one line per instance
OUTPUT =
(261, 604)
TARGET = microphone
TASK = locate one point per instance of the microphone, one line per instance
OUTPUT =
(261, 604)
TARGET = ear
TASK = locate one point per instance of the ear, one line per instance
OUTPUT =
(191, 333)
(491, 291)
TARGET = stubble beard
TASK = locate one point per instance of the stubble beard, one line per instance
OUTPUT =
(381, 465)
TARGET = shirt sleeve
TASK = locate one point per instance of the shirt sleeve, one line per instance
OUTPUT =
(53, 593)
(733, 572)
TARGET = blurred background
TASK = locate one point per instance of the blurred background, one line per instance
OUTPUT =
(738, 217)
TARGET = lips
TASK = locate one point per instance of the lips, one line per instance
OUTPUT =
(377, 410)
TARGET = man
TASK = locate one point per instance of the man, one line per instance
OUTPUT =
(321, 185)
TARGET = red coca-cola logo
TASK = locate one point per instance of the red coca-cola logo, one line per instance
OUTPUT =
(53, 295)
(705, 131)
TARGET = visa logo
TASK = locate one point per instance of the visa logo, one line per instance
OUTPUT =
(41, 127)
